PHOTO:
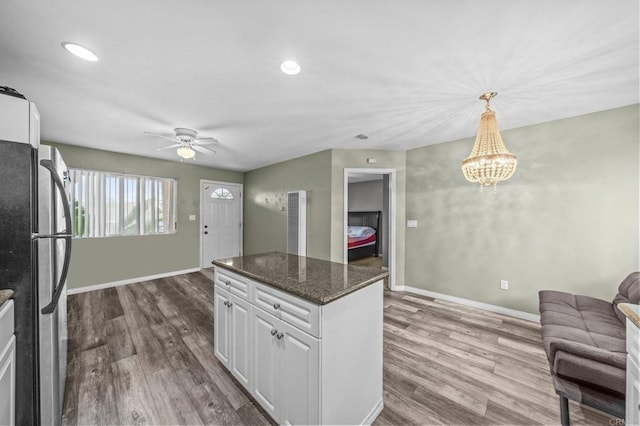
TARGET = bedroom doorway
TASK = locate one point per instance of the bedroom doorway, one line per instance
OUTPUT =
(369, 219)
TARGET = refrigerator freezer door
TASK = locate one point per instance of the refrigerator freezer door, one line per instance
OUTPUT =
(51, 254)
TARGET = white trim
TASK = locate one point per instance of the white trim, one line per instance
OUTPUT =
(375, 411)
(129, 281)
(472, 303)
(201, 261)
(392, 217)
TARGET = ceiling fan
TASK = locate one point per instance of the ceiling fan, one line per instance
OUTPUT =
(187, 142)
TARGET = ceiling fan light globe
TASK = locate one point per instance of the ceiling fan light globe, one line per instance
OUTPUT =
(186, 152)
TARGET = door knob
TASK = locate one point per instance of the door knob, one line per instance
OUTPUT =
(230, 304)
(276, 306)
(206, 232)
(206, 226)
(279, 336)
(274, 332)
(226, 303)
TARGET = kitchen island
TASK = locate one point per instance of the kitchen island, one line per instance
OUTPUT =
(302, 335)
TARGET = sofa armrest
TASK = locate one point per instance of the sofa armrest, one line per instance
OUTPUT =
(615, 359)
(586, 371)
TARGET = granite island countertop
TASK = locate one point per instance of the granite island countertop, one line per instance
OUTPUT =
(5, 295)
(631, 311)
(318, 281)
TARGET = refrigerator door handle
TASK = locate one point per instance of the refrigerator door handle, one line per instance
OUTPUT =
(48, 164)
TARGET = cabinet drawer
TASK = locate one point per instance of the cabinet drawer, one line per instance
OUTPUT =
(234, 283)
(299, 313)
(633, 340)
(6, 322)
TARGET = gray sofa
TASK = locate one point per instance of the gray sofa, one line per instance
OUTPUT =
(585, 342)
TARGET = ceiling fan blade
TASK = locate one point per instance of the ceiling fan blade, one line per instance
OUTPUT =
(206, 141)
(203, 150)
(175, 145)
(172, 139)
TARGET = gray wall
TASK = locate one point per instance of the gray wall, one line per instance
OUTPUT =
(365, 196)
(567, 220)
(265, 202)
(102, 260)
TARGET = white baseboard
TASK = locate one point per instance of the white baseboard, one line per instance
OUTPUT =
(128, 281)
(472, 303)
(377, 409)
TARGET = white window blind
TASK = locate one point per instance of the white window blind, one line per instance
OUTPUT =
(109, 204)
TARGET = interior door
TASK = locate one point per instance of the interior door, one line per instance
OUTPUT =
(221, 221)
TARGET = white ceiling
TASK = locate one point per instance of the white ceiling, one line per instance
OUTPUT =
(406, 73)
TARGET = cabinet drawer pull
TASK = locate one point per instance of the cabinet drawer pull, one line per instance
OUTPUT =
(226, 303)
(227, 282)
(274, 332)
(279, 336)
(276, 306)
(230, 304)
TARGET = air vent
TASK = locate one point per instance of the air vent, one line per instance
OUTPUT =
(297, 223)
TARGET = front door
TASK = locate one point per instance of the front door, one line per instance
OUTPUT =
(221, 221)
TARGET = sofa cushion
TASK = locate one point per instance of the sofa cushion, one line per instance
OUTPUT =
(583, 339)
(628, 292)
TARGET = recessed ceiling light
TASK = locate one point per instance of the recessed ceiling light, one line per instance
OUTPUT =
(80, 52)
(290, 67)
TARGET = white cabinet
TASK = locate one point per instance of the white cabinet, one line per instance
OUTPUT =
(299, 374)
(232, 334)
(303, 363)
(221, 331)
(633, 375)
(240, 339)
(7, 365)
(286, 370)
(265, 356)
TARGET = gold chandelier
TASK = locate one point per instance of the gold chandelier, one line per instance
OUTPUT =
(489, 162)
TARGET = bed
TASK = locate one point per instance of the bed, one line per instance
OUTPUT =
(362, 234)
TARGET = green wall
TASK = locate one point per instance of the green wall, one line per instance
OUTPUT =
(103, 260)
(567, 220)
(265, 201)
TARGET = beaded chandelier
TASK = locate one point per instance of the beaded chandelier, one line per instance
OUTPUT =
(489, 162)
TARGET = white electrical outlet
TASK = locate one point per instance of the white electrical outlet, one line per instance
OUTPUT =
(504, 285)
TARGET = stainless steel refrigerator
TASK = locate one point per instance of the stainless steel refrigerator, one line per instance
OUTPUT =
(35, 249)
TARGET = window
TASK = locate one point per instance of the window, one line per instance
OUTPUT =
(109, 204)
(222, 193)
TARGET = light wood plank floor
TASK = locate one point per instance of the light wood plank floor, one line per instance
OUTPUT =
(143, 354)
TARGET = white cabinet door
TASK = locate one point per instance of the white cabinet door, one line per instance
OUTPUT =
(221, 339)
(633, 392)
(8, 383)
(266, 358)
(299, 399)
(240, 339)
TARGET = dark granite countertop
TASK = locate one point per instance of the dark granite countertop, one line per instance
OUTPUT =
(5, 295)
(318, 281)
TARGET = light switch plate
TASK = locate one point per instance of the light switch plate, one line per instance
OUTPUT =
(192, 218)
(412, 223)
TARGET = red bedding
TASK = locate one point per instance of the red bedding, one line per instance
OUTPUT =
(360, 241)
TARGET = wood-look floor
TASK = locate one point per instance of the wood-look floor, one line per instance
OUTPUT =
(143, 354)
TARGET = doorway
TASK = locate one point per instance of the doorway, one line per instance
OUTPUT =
(220, 221)
(366, 192)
